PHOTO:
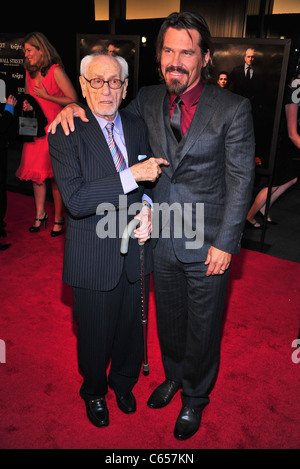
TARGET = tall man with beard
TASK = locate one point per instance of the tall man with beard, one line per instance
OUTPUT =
(211, 158)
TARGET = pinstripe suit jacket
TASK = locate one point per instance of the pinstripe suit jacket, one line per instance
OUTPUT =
(86, 177)
(213, 164)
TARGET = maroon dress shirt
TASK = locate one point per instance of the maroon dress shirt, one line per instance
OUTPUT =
(188, 107)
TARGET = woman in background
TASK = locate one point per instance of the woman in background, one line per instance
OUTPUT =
(48, 83)
(285, 175)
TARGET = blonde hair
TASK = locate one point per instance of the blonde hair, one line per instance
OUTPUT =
(49, 54)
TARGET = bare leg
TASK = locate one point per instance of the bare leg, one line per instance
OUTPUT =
(277, 193)
(58, 206)
(259, 203)
(39, 191)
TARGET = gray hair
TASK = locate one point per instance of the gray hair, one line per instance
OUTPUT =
(88, 58)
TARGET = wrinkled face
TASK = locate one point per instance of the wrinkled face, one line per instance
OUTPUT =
(249, 56)
(32, 54)
(103, 102)
(181, 59)
(222, 81)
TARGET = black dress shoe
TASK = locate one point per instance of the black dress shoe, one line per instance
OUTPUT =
(3, 247)
(127, 403)
(188, 423)
(97, 412)
(163, 394)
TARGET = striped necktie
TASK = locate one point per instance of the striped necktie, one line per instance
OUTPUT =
(118, 158)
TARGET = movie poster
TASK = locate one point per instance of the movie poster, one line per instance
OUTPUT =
(12, 73)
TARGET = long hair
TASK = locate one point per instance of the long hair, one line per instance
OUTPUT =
(187, 21)
(49, 54)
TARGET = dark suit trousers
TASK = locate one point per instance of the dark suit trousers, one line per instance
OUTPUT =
(189, 308)
(109, 327)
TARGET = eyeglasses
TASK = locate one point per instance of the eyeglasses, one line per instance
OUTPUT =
(98, 83)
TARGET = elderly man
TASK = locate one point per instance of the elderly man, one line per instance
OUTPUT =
(97, 165)
(211, 155)
(244, 79)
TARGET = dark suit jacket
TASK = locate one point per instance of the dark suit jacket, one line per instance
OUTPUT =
(6, 125)
(86, 177)
(213, 164)
(251, 89)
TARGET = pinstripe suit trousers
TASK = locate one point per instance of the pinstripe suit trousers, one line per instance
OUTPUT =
(189, 308)
(109, 329)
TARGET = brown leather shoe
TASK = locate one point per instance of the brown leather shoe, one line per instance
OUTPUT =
(163, 394)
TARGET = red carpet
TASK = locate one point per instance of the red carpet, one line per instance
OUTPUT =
(255, 403)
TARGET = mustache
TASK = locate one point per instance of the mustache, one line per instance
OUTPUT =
(176, 69)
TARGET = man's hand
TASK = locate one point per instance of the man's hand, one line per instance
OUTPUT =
(149, 170)
(142, 233)
(218, 261)
(66, 118)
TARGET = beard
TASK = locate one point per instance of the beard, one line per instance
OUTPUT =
(175, 86)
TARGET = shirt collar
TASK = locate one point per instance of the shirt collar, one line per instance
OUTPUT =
(189, 98)
(117, 121)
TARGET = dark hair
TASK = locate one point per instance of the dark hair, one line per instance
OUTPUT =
(222, 73)
(187, 21)
(49, 54)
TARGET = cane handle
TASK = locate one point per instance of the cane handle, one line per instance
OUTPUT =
(126, 235)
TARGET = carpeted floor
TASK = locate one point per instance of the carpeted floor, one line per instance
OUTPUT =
(255, 402)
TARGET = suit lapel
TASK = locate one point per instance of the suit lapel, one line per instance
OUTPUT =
(160, 113)
(93, 136)
(206, 108)
(130, 139)
(161, 120)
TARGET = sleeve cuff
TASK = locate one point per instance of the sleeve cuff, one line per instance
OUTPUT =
(127, 180)
(10, 108)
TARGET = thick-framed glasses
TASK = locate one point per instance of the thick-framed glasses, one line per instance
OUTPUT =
(97, 83)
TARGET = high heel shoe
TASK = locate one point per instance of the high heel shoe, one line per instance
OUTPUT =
(253, 224)
(35, 229)
(269, 221)
(57, 233)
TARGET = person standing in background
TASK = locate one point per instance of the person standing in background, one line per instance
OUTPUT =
(6, 123)
(48, 83)
(285, 174)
